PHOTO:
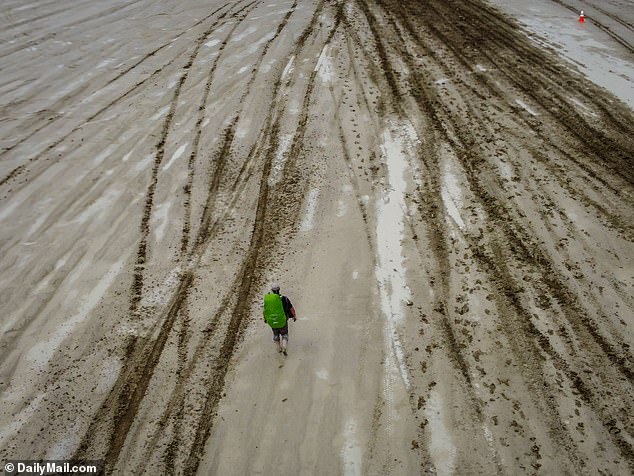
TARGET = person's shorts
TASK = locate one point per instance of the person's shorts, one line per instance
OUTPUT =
(282, 331)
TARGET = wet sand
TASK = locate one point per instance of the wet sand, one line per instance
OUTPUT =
(444, 190)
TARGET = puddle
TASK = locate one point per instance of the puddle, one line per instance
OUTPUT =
(160, 220)
(160, 113)
(451, 195)
(176, 155)
(351, 453)
(322, 374)
(280, 158)
(288, 70)
(342, 208)
(441, 448)
(391, 230)
(324, 66)
(390, 269)
(311, 208)
(526, 107)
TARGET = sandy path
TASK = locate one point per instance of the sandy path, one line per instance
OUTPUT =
(447, 201)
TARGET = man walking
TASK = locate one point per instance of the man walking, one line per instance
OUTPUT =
(277, 311)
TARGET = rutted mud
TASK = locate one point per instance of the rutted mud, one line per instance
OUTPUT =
(449, 204)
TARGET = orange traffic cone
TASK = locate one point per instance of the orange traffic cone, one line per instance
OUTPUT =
(582, 18)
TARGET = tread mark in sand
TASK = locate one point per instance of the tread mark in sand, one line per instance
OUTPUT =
(573, 377)
(609, 350)
(237, 323)
(127, 405)
(196, 144)
(385, 62)
(137, 286)
(128, 399)
(19, 170)
(227, 142)
(438, 229)
(243, 282)
(626, 44)
(83, 21)
(494, 88)
(613, 153)
(177, 397)
(64, 9)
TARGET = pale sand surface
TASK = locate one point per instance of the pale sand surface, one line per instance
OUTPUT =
(443, 189)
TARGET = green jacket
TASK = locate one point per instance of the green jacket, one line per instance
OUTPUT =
(274, 314)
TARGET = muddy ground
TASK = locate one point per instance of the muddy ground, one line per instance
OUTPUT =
(447, 200)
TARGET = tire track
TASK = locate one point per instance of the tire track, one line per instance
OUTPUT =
(14, 6)
(552, 98)
(237, 321)
(137, 285)
(462, 129)
(23, 168)
(248, 274)
(131, 386)
(602, 213)
(98, 16)
(469, 161)
(50, 120)
(63, 100)
(130, 401)
(171, 454)
(468, 156)
(615, 152)
(229, 135)
(49, 14)
(629, 46)
(209, 231)
(430, 157)
(494, 88)
(609, 350)
(523, 74)
(432, 199)
(118, 99)
(245, 278)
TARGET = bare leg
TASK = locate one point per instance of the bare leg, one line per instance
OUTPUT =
(277, 344)
(284, 344)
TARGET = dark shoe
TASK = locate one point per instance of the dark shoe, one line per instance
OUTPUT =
(284, 352)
